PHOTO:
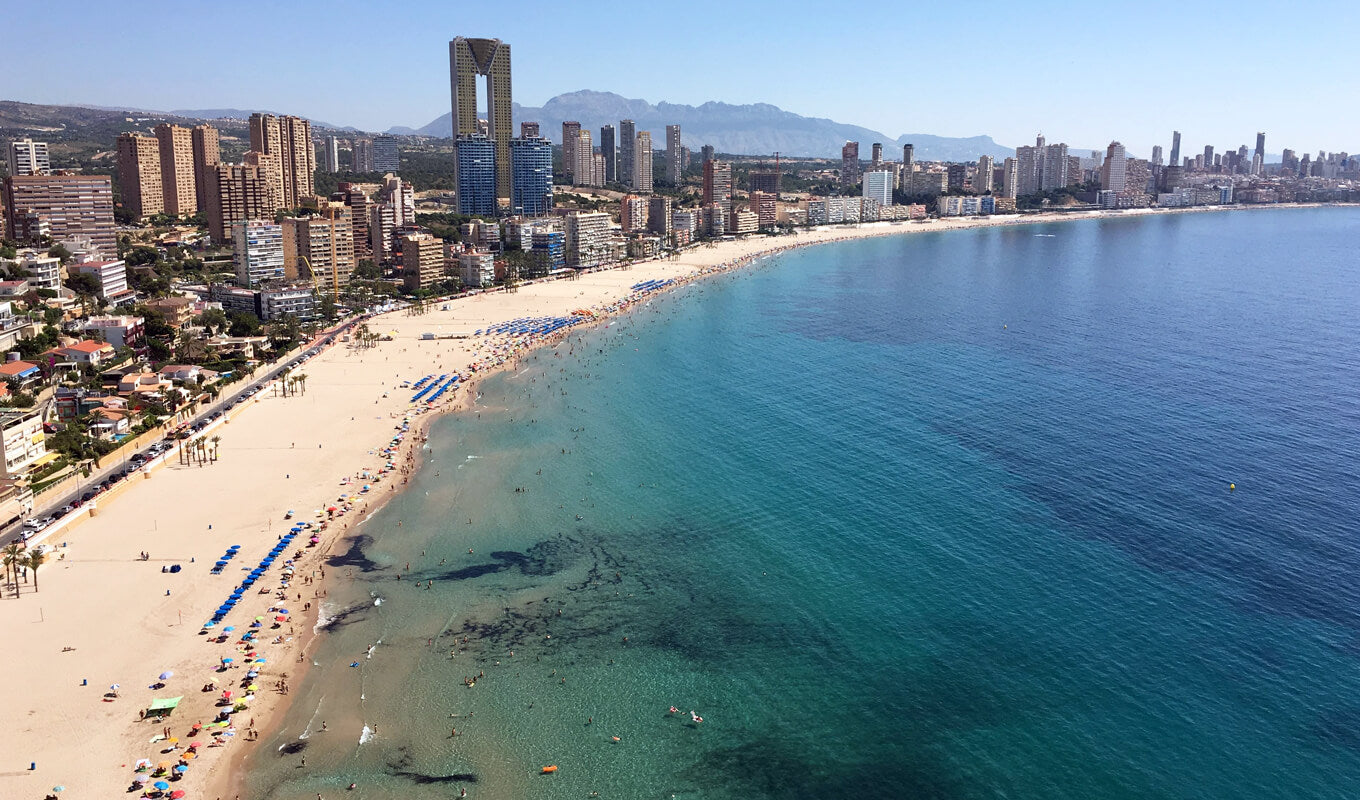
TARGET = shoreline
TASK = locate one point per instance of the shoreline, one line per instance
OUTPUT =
(253, 459)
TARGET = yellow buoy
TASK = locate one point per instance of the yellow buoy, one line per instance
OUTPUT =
(1232, 487)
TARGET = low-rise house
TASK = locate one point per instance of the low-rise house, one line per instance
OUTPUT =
(71, 402)
(177, 310)
(108, 422)
(88, 352)
(181, 372)
(244, 346)
(12, 289)
(144, 384)
(22, 372)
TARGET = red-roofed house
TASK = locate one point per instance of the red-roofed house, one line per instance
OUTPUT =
(21, 371)
(89, 352)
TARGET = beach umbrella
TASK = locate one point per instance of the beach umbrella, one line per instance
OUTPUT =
(227, 660)
(162, 785)
(58, 788)
(229, 629)
(142, 763)
(177, 794)
(195, 744)
(114, 687)
(181, 768)
(163, 765)
(141, 779)
(167, 675)
(284, 611)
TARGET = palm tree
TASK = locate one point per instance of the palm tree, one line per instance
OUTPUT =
(302, 380)
(35, 559)
(216, 440)
(14, 553)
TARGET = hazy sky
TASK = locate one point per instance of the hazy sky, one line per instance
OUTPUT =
(1084, 73)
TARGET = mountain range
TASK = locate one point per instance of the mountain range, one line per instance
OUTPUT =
(755, 129)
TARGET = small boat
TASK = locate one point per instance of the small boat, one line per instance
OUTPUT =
(549, 768)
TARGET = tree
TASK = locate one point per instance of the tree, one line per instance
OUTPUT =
(243, 323)
(35, 559)
(216, 442)
(60, 251)
(367, 270)
(214, 319)
(14, 554)
(302, 381)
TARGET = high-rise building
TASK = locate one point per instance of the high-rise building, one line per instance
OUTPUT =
(627, 151)
(422, 260)
(359, 205)
(659, 215)
(850, 164)
(1258, 158)
(585, 160)
(176, 145)
(908, 161)
(61, 206)
(361, 156)
(876, 160)
(1028, 170)
(633, 213)
(607, 149)
(139, 174)
(207, 155)
(476, 155)
(1075, 176)
(957, 176)
(382, 226)
(982, 181)
(1112, 172)
(587, 239)
(285, 146)
(1175, 149)
(675, 166)
(706, 153)
(878, 186)
(469, 58)
(571, 139)
(1054, 174)
(1010, 182)
(257, 251)
(642, 162)
(332, 159)
(766, 181)
(532, 176)
(386, 156)
(717, 183)
(320, 247)
(27, 157)
(237, 192)
(528, 130)
(1208, 156)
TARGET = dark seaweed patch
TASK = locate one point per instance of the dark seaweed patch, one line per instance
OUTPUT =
(354, 556)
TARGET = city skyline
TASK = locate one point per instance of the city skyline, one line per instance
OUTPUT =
(1293, 91)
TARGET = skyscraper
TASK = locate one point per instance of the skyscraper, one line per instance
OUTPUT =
(717, 183)
(27, 157)
(1054, 167)
(361, 155)
(642, 162)
(571, 139)
(627, 149)
(207, 154)
(850, 164)
(607, 150)
(332, 158)
(908, 162)
(1258, 158)
(876, 160)
(1028, 170)
(878, 186)
(386, 156)
(139, 174)
(1009, 187)
(176, 146)
(469, 58)
(285, 144)
(585, 160)
(531, 176)
(1112, 172)
(1175, 149)
(982, 181)
(528, 130)
(675, 166)
(706, 153)
(1156, 155)
(476, 155)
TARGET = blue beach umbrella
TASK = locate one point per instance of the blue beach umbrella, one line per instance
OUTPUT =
(162, 785)
(229, 629)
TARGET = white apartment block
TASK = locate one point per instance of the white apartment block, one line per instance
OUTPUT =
(257, 252)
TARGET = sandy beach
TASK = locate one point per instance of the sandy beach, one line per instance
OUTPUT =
(104, 616)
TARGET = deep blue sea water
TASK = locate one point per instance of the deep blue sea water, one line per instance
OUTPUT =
(933, 516)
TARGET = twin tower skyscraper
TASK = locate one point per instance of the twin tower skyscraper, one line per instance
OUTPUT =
(470, 59)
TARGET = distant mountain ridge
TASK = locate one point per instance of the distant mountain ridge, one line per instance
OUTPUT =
(753, 129)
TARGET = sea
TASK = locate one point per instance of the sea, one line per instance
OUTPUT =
(1062, 510)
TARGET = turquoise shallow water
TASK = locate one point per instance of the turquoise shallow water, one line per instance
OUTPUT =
(938, 516)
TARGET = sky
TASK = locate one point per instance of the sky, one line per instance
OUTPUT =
(1081, 73)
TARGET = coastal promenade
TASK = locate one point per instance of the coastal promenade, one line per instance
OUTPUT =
(103, 616)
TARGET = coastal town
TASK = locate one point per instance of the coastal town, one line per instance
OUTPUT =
(225, 342)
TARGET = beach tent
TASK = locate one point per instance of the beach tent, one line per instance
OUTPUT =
(163, 706)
